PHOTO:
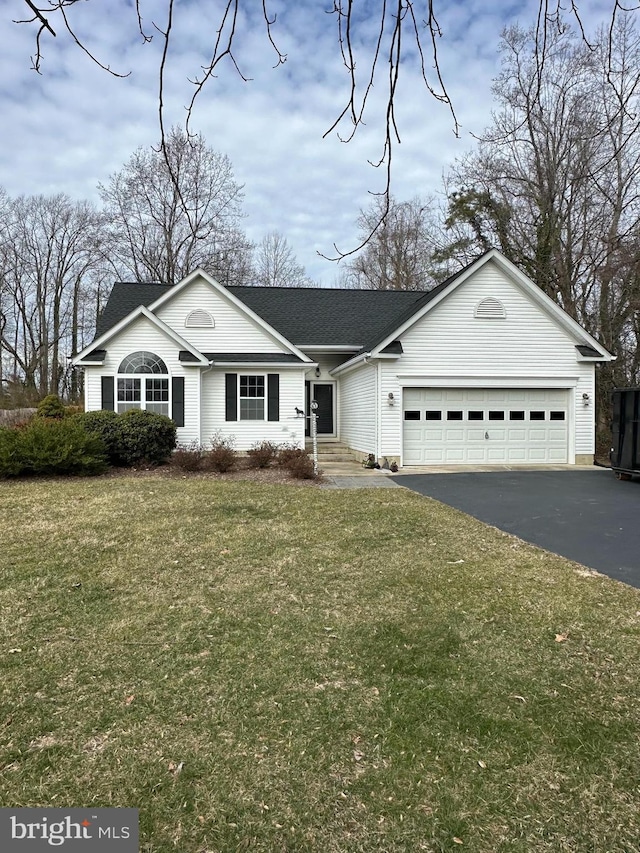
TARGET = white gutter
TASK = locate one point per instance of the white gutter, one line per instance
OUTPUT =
(353, 362)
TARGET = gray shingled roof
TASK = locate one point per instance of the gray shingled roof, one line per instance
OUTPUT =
(305, 316)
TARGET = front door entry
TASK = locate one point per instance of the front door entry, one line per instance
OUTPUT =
(322, 393)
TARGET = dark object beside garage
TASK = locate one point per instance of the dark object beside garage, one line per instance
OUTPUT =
(625, 444)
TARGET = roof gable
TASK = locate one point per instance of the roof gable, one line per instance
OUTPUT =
(224, 296)
(363, 321)
(140, 312)
(444, 291)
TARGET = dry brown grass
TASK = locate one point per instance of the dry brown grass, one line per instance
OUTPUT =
(286, 668)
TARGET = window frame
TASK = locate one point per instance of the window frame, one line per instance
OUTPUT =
(264, 397)
(142, 403)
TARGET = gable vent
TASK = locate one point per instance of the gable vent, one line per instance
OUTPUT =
(490, 309)
(199, 318)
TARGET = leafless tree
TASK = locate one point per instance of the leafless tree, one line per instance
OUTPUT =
(373, 41)
(399, 254)
(51, 250)
(555, 180)
(276, 265)
(167, 220)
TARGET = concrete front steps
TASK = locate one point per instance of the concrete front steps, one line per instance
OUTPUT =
(336, 458)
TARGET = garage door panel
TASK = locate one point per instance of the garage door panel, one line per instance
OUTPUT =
(537, 434)
(490, 425)
(475, 434)
(557, 434)
(516, 455)
(497, 454)
(433, 434)
(517, 435)
(454, 435)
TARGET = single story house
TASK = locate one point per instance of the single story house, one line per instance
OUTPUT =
(484, 368)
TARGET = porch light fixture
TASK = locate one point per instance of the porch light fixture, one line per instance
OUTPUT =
(317, 372)
(585, 399)
(390, 398)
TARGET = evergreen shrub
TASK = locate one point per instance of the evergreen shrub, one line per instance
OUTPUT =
(104, 425)
(58, 446)
(144, 437)
(51, 407)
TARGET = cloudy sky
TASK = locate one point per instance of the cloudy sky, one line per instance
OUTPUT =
(70, 127)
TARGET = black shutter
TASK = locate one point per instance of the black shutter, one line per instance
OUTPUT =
(273, 397)
(177, 400)
(107, 393)
(231, 396)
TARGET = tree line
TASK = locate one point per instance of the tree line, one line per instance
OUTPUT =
(553, 182)
(157, 222)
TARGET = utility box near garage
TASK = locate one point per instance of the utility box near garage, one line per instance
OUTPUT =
(625, 444)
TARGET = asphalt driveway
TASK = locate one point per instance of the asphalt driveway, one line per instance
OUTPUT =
(587, 516)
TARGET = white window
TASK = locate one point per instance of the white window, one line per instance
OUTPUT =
(144, 385)
(252, 398)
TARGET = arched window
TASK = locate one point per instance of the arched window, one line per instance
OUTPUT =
(137, 389)
(143, 362)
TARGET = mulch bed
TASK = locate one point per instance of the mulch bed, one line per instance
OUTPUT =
(274, 475)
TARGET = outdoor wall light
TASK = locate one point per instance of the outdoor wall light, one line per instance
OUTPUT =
(390, 398)
(317, 372)
(585, 399)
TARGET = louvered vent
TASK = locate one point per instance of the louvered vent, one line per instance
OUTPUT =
(199, 318)
(490, 309)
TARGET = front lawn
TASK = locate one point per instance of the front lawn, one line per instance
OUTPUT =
(275, 668)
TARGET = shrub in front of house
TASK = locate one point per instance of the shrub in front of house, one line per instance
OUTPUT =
(262, 454)
(222, 456)
(287, 453)
(104, 425)
(301, 467)
(57, 446)
(143, 437)
(297, 461)
(10, 462)
(51, 407)
(188, 457)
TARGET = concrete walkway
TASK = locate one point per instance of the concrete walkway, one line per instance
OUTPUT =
(369, 480)
(353, 476)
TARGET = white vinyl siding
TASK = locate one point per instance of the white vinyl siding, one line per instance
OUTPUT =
(143, 335)
(357, 407)
(289, 428)
(450, 346)
(233, 331)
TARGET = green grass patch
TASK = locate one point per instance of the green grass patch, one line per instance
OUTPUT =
(275, 668)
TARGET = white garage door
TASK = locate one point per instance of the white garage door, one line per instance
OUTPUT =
(485, 425)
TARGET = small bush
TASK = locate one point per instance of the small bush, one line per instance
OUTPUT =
(222, 456)
(297, 461)
(51, 407)
(56, 446)
(188, 457)
(287, 453)
(262, 454)
(301, 467)
(10, 458)
(144, 437)
(103, 424)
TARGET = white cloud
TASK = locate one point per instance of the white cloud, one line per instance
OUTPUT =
(67, 130)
